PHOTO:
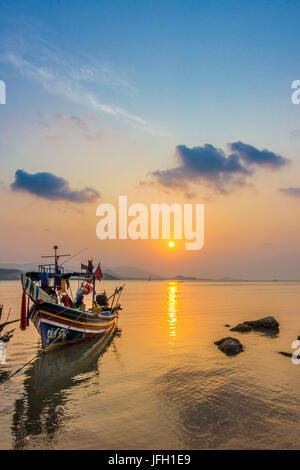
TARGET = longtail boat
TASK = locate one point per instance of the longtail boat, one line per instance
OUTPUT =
(59, 318)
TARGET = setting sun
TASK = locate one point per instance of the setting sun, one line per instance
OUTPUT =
(171, 244)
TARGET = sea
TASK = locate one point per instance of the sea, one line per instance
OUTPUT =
(159, 381)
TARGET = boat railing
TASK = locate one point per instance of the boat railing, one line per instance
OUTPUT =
(51, 269)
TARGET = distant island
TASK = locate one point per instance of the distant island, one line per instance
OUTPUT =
(10, 274)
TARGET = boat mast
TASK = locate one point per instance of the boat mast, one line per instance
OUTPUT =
(57, 269)
(56, 257)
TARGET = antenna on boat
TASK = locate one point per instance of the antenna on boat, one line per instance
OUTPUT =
(55, 256)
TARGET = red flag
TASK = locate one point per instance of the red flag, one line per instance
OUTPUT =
(98, 273)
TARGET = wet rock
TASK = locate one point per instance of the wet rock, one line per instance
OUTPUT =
(242, 328)
(230, 346)
(266, 323)
(283, 353)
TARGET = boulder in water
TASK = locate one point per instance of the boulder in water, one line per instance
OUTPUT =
(230, 346)
(242, 328)
(267, 324)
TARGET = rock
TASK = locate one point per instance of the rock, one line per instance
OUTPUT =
(230, 346)
(227, 326)
(283, 353)
(266, 323)
(242, 328)
(298, 338)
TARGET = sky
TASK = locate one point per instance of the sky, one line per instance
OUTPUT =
(162, 101)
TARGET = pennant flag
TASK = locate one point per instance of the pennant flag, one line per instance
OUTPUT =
(90, 266)
(98, 273)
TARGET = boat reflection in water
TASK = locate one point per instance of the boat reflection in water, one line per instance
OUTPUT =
(172, 310)
(40, 411)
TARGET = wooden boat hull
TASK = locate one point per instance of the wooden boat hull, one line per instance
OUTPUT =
(59, 325)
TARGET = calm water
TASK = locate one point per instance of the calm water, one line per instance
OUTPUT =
(160, 382)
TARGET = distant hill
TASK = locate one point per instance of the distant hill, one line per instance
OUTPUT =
(110, 277)
(10, 274)
(20, 267)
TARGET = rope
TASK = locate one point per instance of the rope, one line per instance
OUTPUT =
(37, 355)
(76, 254)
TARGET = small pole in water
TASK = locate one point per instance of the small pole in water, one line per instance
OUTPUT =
(7, 314)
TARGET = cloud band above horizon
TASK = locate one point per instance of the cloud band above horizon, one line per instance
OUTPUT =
(51, 187)
(213, 167)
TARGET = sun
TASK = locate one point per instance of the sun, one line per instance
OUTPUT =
(171, 244)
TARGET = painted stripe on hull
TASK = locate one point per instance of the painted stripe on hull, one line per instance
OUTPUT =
(72, 315)
(82, 326)
(81, 322)
(74, 328)
(56, 333)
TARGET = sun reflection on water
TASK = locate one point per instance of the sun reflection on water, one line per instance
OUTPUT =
(172, 310)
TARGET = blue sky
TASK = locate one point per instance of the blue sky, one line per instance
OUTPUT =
(191, 67)
(119, 85)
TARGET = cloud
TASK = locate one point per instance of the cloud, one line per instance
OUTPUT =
(64, 76)
(294, 192)
(51, 187)
(252, 156)
(211, 166)
(206, 163)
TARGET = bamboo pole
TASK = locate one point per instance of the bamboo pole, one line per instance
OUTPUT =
(2, 325)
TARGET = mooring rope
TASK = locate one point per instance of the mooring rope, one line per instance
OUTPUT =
(37, 355)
